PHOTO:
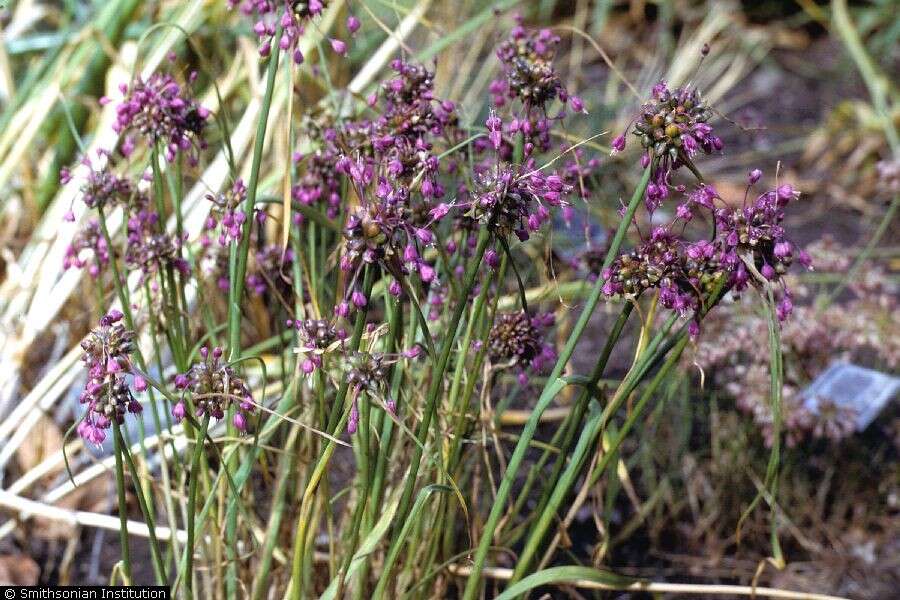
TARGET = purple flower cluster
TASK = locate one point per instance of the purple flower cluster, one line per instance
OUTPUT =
(89, 243)
(317, 337)
(226, 215)
(320, 180)
(749, 247)
(107, 394)
(411, 121)
(102, 187)
(215, 388)
(511, 200)
(753, 245)
(529, 76)
(160, 111)
(292, 16)
(394, 171)
(520, 339)
(149, 247)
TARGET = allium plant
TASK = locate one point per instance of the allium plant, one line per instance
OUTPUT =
(403, 296)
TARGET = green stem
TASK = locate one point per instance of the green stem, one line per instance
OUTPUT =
(777, 386)
(123, 510)
(581, 405)
(262, 582)
(361, 500)
(240, 268)
(157, 555)
(337, 420)
(437, 376)
(592, 430)
(188, 576)
(579, 455)
(473, 583)
(395, 325)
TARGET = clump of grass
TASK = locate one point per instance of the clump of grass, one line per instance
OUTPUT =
(324, 324)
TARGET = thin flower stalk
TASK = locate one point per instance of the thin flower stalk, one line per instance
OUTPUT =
(547, 395)
(437, 374)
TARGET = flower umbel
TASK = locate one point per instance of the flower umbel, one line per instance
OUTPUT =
(158, 110)
(106, 393)
(215, 387)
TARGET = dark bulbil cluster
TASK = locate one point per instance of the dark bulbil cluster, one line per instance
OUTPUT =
(317, 336)
(412, 120)
(527, 58)
(684, 273)
(673, 127)
(215, 388)
(107, 394)
(675, 124)
(369, 233)
(520, 338)
(513, 337)
(530, 77)
(158, 110)
(366, 372)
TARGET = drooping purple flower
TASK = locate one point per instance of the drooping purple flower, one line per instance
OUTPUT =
(227, 215)
(753, 237)
(159, 110)
(88, 249)
(291, 15)
(106, 356)
(215, 387)
(353, 24)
